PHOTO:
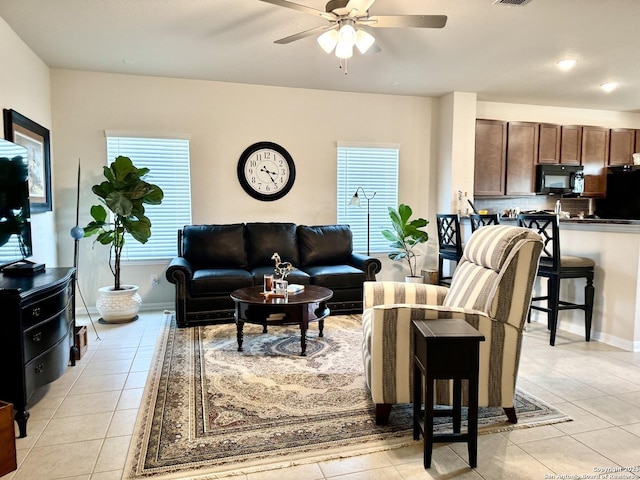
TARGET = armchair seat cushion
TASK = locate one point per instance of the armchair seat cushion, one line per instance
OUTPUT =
(219, 281)
(336, 276)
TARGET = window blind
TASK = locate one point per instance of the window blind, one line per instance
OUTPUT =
(168, 162)
(375, 169)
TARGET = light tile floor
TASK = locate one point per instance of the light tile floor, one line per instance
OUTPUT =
(81, 424)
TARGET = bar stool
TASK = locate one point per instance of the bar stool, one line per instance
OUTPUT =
(449, 243)
(554, 267)
(481, 219)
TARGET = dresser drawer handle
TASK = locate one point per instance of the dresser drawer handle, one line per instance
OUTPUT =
(35, 312)
(37, 337)
(39, 368)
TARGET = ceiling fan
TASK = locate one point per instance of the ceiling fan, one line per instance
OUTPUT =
(345, 16)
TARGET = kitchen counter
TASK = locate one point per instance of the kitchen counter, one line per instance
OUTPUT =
(613, 244)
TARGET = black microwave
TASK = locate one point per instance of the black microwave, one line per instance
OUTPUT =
(559, 179)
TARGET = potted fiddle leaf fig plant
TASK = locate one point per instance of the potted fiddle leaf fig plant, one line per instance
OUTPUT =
(406, 234)
(124, 192)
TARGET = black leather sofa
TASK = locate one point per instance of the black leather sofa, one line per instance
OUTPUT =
(215, 260)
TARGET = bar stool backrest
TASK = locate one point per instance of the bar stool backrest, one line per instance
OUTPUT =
(482, 219)
(547, 226)
(449, 240)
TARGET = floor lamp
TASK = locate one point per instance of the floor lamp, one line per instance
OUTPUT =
(77, 233)
(355, 201)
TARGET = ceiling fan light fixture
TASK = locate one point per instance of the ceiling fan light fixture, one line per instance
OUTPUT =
(344, 50)
(328, 40)
(347, 34)
(364, 41)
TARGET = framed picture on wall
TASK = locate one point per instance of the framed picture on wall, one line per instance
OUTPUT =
(35, 138)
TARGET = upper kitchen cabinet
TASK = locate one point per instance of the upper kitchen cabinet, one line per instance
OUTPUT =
(490, 157)
(549, 143)
(595, 155)
(621, 145)
(522, 156)
(571, 145)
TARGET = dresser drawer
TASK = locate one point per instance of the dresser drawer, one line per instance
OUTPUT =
(41, 337)
(47, 306)
(47, 367)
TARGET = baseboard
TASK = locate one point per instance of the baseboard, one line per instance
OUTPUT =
(145, 307)
(601, 337)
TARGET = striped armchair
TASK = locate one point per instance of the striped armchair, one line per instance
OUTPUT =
(491, 289)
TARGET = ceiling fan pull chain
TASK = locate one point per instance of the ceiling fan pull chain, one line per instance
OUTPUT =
(346, 65)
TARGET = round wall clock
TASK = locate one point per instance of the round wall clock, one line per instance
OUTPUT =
(266, 171)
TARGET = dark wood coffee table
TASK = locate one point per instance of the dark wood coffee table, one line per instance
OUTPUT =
(297, 309)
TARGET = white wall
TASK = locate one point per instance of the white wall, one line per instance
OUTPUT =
(222, 120)
(24, 87)
(557, 115)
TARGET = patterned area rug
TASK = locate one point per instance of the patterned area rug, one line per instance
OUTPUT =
(209, 411)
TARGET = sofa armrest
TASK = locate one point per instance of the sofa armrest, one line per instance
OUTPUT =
(179, 269)
(369, 265)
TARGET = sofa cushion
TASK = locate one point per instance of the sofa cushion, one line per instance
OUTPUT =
(336, 276)
(214, 246)
(296, 276)
(264, 239)
(219, 281)
(325, 244)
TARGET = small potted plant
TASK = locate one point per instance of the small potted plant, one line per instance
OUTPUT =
(124, 193)
(406, 234)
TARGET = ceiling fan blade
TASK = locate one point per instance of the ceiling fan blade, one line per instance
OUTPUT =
(358, 8)
(306, 33)
(414, 21)
(302, 8)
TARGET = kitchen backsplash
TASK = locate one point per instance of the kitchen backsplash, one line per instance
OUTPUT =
(574, 206)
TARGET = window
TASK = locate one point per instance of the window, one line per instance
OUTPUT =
(374, 168)
(168, 162)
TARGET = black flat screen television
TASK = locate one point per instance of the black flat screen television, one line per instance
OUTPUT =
(15, 215)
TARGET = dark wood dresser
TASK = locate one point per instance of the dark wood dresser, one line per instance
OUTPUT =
(37, 340)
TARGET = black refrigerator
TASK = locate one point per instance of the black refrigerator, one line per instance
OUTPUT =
(623, 193)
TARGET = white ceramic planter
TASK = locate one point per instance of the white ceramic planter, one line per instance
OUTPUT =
(118, 306)
(414, 279)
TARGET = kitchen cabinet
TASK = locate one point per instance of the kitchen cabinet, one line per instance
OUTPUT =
(571, 145)
(549, 143)
(621, 145)
(490, 157)
(594, 159)
(522, 156)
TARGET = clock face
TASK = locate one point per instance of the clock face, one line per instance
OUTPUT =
(266, 171)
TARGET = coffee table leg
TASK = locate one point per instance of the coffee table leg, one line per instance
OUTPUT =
(320, 328)
(303, 340)
(240, 334)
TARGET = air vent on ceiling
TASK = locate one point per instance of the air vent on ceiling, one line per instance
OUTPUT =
(509, 3)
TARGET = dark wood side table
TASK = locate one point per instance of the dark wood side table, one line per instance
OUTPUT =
(445, 349)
